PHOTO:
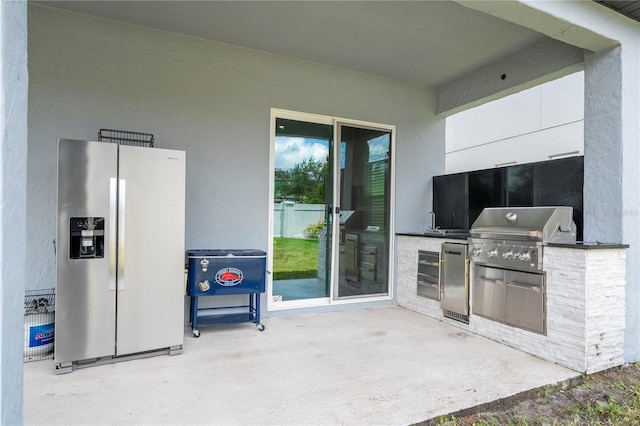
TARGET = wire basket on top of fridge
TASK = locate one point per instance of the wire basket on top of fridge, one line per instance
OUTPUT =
(124, 137)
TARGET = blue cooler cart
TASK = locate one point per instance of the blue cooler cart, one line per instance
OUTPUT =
(224, 273)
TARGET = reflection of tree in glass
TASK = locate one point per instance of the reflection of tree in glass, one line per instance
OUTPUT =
(303, 183)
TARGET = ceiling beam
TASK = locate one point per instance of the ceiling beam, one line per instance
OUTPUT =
(539, 16)
(543, 62)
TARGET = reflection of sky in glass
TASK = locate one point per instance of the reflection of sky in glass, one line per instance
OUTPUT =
(379, 148)
(292, 150)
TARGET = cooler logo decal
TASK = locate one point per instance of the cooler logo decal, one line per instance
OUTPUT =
(41, 335)
(228, 277)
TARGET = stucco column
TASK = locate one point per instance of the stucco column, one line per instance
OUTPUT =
(603, 204)
(13, 172)
(611, 195)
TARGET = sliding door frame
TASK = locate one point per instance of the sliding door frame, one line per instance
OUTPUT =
(335, 122)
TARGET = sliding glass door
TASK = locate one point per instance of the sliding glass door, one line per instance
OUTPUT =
(364, 195)
(331, 211)
(303, 196)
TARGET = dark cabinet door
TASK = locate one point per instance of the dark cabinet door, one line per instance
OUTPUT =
(561, 183)
(450, 201)
(519, 185)
(485, 190)
(459, 198)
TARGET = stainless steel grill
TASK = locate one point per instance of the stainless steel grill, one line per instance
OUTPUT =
(512, 237)
(505, 249)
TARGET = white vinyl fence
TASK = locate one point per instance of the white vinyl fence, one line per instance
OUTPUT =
(290, 219)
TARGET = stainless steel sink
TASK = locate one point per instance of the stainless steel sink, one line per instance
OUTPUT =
(443, 232)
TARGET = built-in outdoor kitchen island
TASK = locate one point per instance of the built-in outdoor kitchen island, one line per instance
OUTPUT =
(578, 299)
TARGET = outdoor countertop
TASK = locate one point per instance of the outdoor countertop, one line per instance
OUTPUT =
(582, 245)
(454, 236)
(589, 245)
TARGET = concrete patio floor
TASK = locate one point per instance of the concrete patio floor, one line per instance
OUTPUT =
(377, 366)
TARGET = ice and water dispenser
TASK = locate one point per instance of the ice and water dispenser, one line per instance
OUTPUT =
(86, 237)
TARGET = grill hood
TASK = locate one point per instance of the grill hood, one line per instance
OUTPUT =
(544, 224)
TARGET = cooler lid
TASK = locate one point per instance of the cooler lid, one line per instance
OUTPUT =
(226, 253)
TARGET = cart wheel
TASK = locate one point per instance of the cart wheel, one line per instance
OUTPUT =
(260, 327)
(196, 333)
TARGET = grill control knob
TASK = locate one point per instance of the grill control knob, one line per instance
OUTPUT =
(492, 253)
(476, 251)
(525, 256)
(507, 254)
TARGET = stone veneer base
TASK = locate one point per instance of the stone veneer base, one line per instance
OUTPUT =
(585, 305)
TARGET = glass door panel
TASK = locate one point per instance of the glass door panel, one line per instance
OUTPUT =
(303, 200)
(364, 200)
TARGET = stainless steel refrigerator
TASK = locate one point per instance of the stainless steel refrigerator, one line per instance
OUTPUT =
(119, 252)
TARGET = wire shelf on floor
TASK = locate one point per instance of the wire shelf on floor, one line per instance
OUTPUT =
(39, 322)
(124, 137)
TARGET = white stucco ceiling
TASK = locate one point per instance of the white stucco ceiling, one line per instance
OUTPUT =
(422, 42)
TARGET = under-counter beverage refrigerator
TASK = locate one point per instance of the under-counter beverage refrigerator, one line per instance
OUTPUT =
(119, 252)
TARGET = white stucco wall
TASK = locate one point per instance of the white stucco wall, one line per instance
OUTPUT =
(13, 158)
(536, 124)
(212, 100)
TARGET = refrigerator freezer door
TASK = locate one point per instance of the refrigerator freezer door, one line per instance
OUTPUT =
(85, 291)
(150, 296)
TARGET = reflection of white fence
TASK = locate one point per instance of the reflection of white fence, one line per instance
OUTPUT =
(291, 219)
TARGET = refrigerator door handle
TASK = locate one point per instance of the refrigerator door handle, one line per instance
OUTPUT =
(113, 191)
(121, 232)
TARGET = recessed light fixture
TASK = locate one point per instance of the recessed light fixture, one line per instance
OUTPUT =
(281, 127)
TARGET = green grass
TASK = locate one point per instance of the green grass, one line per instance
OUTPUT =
(294, 258)
(593, 409)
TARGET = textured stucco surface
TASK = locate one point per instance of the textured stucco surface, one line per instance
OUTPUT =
(212, 100)
(13, 159)
(540, 63)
